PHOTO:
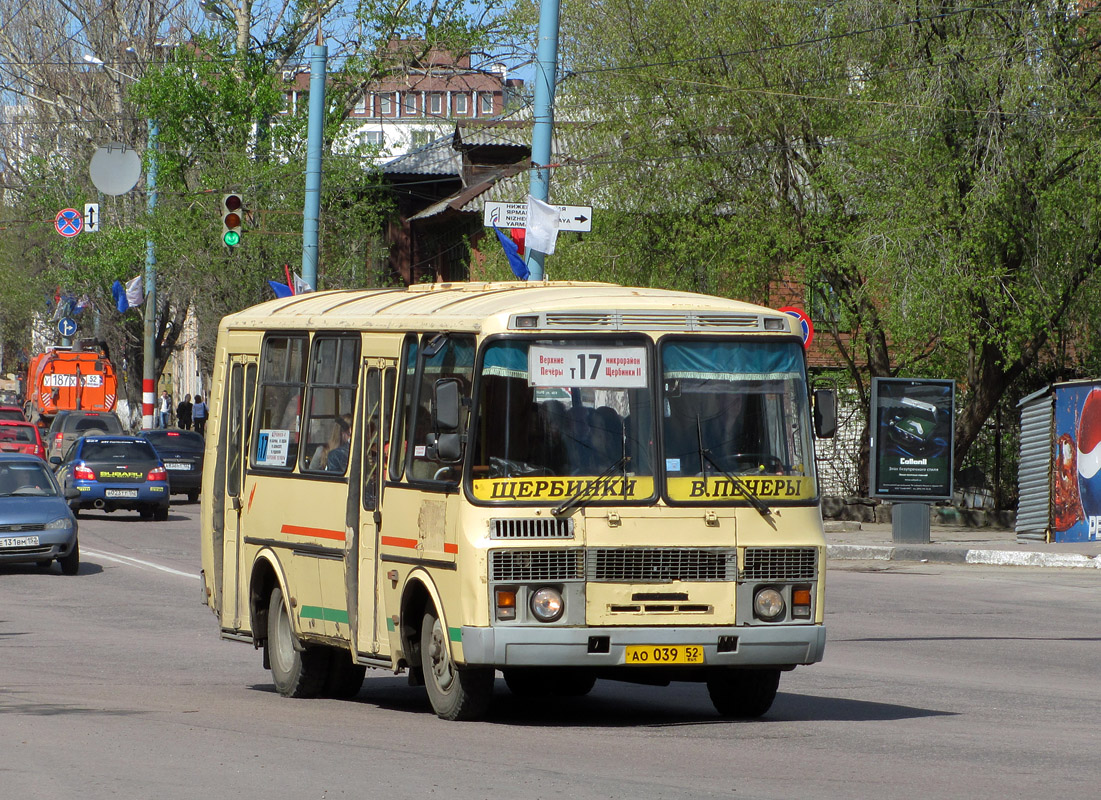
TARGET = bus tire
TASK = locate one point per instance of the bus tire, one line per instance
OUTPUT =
(345, 677)
(540, 682)
(456, 693)
(296, 671)
(743, 693)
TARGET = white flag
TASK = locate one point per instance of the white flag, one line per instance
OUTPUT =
(300, 285)
(135, 294)
(542, 227)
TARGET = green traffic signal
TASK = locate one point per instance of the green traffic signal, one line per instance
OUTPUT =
(231, 238)
(232, 209)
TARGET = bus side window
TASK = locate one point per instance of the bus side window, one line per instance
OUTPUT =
(326, 433)
(401, 410)
(282, 376)
(451, 359)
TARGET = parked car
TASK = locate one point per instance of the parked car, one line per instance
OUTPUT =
(14, 413)
(113, 472)
(68, 426)
(21, 437)
(182, 454)
(36, 524)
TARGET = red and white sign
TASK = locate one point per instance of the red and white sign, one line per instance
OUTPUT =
(68, 222)
(603, 367)
(804, 321)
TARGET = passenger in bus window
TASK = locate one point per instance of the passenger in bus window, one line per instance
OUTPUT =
(337, 460)
(320, 458)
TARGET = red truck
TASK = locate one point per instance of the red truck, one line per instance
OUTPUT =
(77, 378)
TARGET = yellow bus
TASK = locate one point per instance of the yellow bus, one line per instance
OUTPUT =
(560, 481)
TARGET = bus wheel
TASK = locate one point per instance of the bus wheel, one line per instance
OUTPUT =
(295, 672)
(455, 693)
(345, 677)
(743, 693)
(537, 682)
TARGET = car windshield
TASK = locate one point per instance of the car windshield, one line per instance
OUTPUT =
(735, 410)
(26, 479)
(117, 451)
(555, 412)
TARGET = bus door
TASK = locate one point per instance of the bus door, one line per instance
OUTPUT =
(377, 391)
(234, 447)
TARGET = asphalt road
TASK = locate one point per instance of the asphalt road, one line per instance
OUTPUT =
(939, 681)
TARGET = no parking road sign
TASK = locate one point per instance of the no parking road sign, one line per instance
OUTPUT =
(804, 323)
(68, 222)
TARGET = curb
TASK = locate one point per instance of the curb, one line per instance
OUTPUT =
(956, 555)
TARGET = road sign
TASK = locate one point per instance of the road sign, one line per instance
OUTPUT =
(515, 215)
(68, 222)
(91, 217)
(804, 322)
(66, 326)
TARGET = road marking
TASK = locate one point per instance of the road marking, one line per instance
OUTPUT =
(137, 562)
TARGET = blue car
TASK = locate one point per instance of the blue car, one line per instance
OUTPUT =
(36, 524)
(108, 473)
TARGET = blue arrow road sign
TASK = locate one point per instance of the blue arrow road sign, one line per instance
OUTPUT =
(66, 326)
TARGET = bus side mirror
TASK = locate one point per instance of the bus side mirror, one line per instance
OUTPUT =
(445, 405)
(825, 413)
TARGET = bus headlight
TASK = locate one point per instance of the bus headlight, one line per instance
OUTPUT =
(768, 604)
(547, 604)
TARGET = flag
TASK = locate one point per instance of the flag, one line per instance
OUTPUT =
(280, 289)
(135, 294)
(519, 268)
(82, 304)
(300, 285)
(542, 227)
(119, 293)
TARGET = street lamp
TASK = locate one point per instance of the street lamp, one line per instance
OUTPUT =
(149, 351)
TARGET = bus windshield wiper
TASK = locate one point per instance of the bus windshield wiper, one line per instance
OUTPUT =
(589, 489)
(735, 481)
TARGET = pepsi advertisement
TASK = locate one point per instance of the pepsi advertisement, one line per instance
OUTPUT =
(912, 425)
(1076, 464)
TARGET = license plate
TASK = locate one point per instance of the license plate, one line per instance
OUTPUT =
(19, 541)
(641, 654)
(120, 492)
(174, 465)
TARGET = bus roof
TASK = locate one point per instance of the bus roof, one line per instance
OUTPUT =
(492, 307)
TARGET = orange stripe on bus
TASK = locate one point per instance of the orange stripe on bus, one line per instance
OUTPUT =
(320, 533)
(394, 541)
(450, 548)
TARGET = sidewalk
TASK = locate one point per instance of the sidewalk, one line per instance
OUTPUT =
(952, 545)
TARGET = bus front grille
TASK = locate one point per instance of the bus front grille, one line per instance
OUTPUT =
(515, 566)
(780, 564)
(660, 564)
(531, 528)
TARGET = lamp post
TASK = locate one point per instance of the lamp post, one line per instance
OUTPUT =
(149, 315)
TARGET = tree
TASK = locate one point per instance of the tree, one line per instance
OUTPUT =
(931, 167)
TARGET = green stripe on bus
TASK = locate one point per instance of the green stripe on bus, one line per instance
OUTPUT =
(389, 624)
(325, 614)
(456, 634)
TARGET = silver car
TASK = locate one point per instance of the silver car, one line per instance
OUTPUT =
(36, 524)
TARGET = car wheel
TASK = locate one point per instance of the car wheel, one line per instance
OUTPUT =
(456, 693)
(296, 670)
(160, 514)
(70, 564)
(75, 509)
(193, 496)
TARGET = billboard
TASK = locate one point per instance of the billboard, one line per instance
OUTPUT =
(1076, 479)
(912, 424)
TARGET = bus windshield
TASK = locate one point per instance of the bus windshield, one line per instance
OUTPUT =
(735, 409)
(556, 414)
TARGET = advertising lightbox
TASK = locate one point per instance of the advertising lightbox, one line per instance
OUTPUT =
(912, 425)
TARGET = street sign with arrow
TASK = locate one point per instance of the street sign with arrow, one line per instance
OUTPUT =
(515, 215)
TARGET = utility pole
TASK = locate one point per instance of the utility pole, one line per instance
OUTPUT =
(546, 67)
(315, 132)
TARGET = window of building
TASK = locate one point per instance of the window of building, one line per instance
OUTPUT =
(409, 104)
(485, 100)
(330, 400)
(435, 101)
(385, 105)
(361, 104)
(371, 138)
(462, 104)
(420, 137)
(282, 379)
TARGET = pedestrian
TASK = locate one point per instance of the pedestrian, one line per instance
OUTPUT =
(164, 415)
(183, 413)
(198, 414)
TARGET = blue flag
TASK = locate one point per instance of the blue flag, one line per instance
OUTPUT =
(280, 289)
(519, 268)
(119, 292)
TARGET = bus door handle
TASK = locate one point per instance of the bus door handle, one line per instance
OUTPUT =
(378, 519)
(235, 503)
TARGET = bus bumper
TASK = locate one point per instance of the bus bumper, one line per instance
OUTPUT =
(774, 646)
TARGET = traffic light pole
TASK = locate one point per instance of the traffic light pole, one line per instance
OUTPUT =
(315, 132)
(546, 66)
(149, 314)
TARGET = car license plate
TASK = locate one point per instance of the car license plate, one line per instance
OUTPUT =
(120, 492)
(663, 654)
(19, 541)
(176, 465)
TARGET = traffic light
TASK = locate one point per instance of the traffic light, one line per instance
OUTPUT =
(232, 209)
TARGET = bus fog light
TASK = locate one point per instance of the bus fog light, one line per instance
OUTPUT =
(768, 604)
(506, 604)
(547, 604)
